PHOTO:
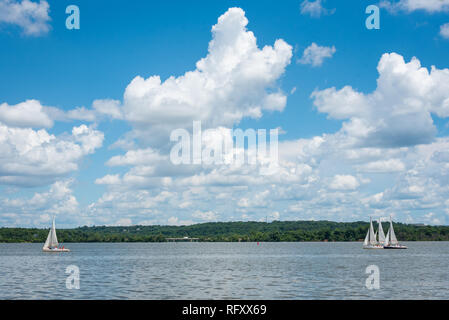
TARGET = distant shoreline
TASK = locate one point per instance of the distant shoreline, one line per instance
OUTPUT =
(310, 241)
(276, 231)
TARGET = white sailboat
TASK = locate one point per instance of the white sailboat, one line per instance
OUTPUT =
(390, 240)
(51, 244)
(371, 238)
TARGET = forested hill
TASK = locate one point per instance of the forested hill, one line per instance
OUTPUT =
(230, 231)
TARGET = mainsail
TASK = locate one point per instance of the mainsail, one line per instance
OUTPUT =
(52, 240)
(366, 242)
(387, 238)
(392, 239)
(370, 236)
(391, 236)
(381, 233)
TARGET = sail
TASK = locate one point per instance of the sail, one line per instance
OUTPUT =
(392, 239)
(387, 238)
(372, 236)
(54, 239)
(381, 233)
(47, 242)
(366, 239)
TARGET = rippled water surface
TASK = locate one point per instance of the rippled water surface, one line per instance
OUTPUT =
(224, 271)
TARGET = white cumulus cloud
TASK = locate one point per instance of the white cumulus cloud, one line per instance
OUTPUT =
(444, 30)
(29, 113)
(398, 112)
(35, 157)
(413, 5)
(236, 79)
(31, 16)
(314, 8)
(315, 54)
(344, 182)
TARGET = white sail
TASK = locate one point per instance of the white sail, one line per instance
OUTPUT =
(47, 242)
(392, 239)
(52, 244)
(366, 239)
(381, 233)
(52, 239)
(372, 236)
(387, 238)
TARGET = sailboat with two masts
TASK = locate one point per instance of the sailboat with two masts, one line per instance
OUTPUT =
(371, 237)
(390, 240)
(52, 244)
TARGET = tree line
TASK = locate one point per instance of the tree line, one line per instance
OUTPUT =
(229, 232)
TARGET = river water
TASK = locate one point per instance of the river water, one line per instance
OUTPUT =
(303, 270)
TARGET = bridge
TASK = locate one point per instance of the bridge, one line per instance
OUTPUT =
(182, 239)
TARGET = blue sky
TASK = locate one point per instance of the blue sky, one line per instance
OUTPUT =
(373, 145)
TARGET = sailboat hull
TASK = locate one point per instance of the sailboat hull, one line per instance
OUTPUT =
(373, 247)
(395, 247)
(55, 250)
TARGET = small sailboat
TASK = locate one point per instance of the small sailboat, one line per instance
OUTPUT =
(371, 237)
(390, 240)
(52, 244)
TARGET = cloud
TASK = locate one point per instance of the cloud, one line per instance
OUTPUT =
(314, 8)
(205, 216)
(383, 166)
(398, 112)
(317, 178)
(224, 185)
(408, 6)
(235, 80)
(32, 17)
(34, 158)
(174, 221)
(38, 209)
(108, 107)
(25, 114)
(101, 109)
(137, 157)
(315, 54)
(344, 182)
(32, 114)
(444, 30)
(123, 222)
(332, 176)
(108, 179)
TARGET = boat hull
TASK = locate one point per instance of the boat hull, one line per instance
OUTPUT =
(395, 247)
(55, 250)
(372, 247)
